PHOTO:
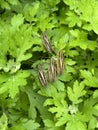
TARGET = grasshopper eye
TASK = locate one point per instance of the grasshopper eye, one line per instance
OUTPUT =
(41, 76)
(46, 43)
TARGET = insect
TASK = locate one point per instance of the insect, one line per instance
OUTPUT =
(60, 63)
(52, 70)
(42, 77)
(46, 43)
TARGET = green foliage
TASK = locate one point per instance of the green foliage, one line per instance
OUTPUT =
(75, 93)
(11, 83)
(3, 122)
(71, 101)
(6, 4)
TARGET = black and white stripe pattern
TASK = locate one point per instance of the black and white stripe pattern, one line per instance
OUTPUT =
(52, 70)
(41, 76)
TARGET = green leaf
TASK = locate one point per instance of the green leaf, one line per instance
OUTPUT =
(92, 123)
(59, 85)
(91, 112)
(26, 124)
(76, 125)
(13, 2)
(61, 43)
(72, 109)
(86, 15)
(70, 62)
(95, 94)
(76, 92)
(89, 78)
(44, 21)
(73, 19)
(72, 53)
(66, 76)
(50, 125)
(3, 122)
(88, 108)
(96, 106)
(60, 108)
(5, 5)
(11, 66)
(70, 70)
(57, 99)
(30, 125)
(17, 81)
(63, 119)
(37, 101)
(81, 40)
(71, 3)
(17, 21)
(59, 37)
(53, 3)
(31, 10)
(16, 128)
(23, 42)
(13, 82)
(94, 20)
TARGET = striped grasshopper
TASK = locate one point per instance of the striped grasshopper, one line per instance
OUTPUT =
(41, 76)
(60, 63)
(52, 70)
(47, 43)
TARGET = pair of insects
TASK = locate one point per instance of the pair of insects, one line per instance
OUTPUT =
(55, 67)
